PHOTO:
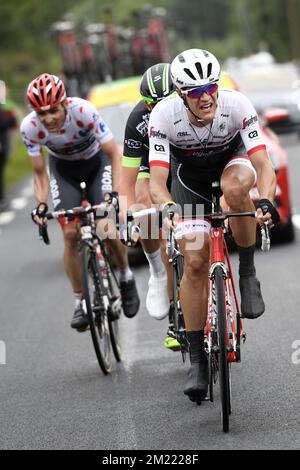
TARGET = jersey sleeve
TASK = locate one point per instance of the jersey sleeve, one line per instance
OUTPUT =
(33, 147)
(159, 146)
(248, 123)
(134, 147)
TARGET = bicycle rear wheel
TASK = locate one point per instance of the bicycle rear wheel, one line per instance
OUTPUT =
(224, 372)
(94, 297)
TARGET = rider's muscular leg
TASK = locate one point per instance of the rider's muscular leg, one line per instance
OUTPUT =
(193, 287)
(236, 183)
(106, 229)
(72, 262)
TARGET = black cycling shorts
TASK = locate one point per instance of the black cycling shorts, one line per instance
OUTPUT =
(192, 186)
(66, 176)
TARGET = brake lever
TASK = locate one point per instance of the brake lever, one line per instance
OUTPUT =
(43, 233)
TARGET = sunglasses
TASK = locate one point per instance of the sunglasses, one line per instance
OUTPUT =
(195, 93)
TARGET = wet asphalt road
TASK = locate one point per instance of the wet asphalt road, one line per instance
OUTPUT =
(54, 396)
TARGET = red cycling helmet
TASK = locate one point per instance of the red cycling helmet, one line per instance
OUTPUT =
(45, 92)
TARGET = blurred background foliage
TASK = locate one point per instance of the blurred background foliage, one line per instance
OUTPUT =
(226, 27)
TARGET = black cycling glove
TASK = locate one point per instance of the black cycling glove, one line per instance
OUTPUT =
(266, 206)
(39, 211)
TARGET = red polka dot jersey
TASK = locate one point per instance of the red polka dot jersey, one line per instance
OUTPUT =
(80, 137)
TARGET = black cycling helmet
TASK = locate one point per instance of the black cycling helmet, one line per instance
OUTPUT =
(156, 83)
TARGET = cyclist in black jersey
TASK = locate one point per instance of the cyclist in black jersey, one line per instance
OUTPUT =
(156, 84)
(204, 134)
(79, 143)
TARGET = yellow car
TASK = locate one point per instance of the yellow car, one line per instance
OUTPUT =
(115, 100)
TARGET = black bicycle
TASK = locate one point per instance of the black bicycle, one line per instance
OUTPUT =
(176, 327)
(101, 291)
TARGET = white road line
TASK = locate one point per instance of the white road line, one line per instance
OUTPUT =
(18, 203)
(27, 191)
(296, 220)
(7, 217)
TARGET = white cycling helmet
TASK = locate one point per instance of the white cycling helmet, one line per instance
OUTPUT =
(195, 68)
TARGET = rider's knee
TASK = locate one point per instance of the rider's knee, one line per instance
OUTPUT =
(237, 193)
(196, 267)
(70, 234)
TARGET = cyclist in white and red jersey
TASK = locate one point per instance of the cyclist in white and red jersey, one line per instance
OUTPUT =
(204, 134)
(78, 142)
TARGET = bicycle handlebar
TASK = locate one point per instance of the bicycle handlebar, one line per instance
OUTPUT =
(81, 211)
(265, 231)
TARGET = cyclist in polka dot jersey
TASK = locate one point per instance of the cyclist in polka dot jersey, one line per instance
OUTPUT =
(81, 148)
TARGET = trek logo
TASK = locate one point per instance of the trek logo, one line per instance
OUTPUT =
(249, 122)
(182, 134)
(253, 135)
(159, 148)
(158, 134)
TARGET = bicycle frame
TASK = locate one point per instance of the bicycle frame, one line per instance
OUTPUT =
(220, 257)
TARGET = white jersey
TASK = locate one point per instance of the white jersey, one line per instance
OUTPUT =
(80, 138)
(235, 126)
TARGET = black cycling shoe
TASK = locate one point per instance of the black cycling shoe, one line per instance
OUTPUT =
(80, 320)
(252, 302)
(130, 298)
(197, 384)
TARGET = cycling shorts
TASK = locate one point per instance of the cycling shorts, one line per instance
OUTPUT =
(194, 196)
(65, 179)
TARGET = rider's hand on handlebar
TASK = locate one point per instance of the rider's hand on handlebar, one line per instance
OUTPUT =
(170, 215)
(38, 214)
(266, 212)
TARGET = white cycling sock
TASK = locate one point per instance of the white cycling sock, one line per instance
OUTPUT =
(77, 298)
(125, 274)
(155, 262)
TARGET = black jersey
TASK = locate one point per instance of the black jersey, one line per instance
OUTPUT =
(136, 142)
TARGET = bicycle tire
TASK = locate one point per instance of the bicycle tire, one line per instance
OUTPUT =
(224, 373)
(114, 296)
(99, 325)
(178, 319)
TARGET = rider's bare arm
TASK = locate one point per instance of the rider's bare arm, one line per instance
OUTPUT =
(127, 187)
(158, 184)
(113, 151)
(40, 175)
(266, 178)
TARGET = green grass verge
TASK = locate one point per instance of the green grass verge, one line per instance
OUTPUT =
(18, 165)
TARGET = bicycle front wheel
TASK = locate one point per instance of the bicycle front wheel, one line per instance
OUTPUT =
(224, 373)
(115, 310)
(94, 297)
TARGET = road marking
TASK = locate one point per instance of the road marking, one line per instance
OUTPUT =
(27, 191)
(296, 220)
(7, 217)
(19, 203)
